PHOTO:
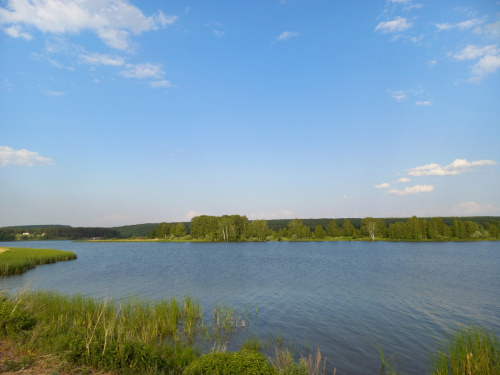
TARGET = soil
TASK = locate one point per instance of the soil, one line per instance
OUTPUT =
(17, 360)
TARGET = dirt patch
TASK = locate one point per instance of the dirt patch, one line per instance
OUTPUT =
(17, 360)
(3, 249)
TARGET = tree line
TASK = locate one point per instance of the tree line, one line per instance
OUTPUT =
(56, 232)
(232, 228)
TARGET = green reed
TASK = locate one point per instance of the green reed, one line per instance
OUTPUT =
(469, 350)
(14, 261)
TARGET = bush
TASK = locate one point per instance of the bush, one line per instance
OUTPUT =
(241, 362)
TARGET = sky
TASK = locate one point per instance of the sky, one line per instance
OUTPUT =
(117, 112)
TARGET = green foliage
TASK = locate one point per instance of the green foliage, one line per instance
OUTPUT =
(219, 229)
(297, 230)
(19, 260)
(333, 229)
(470, 350)
(347, 228)
(235, 363)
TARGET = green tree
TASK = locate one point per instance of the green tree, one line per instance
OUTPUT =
(319, 232)
(332, 229)
(180, 230)
(347, 228)
(369, 227)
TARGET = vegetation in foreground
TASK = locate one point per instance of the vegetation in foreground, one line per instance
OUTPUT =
(140, 337)
(14, 261)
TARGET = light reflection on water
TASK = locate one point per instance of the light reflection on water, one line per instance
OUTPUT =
(347, 298)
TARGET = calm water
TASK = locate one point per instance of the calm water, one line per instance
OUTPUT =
(347, 298)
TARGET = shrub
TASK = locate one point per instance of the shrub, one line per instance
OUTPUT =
(241, 362)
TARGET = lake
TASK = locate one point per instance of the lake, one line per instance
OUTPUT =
(350, 299)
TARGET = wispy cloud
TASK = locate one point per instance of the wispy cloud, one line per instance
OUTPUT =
(54, 93)
(9, 156)
(412, 190)
(472, 208)
(384, 185)
(464, 25)
(416, 92)
(142, 71)
(286, 35)
(459, 166)
(161, 84)
(15, 31)
(399, 95)
(488, 60)
(113, 21)
(396, 25)
(101, 59)
(404, 179)
(424, 103)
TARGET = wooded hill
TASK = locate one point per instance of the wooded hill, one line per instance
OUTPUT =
(237, 228)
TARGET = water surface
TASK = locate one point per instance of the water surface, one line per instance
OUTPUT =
(347, 298)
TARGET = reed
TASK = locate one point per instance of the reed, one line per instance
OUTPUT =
(469, 350)
(14, 261)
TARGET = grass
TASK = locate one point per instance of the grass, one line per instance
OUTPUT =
(15, 261)
(469, 350)
(142, 337)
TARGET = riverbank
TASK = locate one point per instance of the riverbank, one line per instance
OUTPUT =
(48, 333)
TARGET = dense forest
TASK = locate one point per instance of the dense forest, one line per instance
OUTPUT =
(238, 228)
(230, 228)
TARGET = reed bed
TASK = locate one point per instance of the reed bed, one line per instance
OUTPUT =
(469, 350)
(15, 261)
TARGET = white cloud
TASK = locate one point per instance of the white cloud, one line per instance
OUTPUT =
(9, 156)
(485, 66)
(399, 95)
(412, 190)
(191, 214)
(472, 208)
(382, 186)
(404, 179)
(54, 93)
(101, 59)
(488, 56)
(396, 25)
(424, 103)
(161, 84)
(444, 26)
(112, 20)
(142, 71)
(286, 35)
(469, 24)
(473, 52)
(459, 166)
(493, 29)
(15, 32)
(432, 63)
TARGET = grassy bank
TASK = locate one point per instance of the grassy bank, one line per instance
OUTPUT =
(130, 337)
(166, 337)
(18, 260)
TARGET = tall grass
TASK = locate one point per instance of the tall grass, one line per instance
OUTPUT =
(15, 261)
(469, 350)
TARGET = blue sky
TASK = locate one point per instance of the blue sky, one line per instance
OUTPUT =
(116, 112)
